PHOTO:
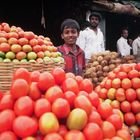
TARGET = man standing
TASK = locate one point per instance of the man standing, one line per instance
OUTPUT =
(123, 47)
(136, 46)
(91, 39)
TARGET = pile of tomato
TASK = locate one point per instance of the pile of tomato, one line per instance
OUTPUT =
(57, 106)
(121, 89)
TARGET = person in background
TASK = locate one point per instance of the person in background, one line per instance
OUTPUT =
(136, 45)
(130, 41)
(91, 39)
(73, 55)
(123, 47)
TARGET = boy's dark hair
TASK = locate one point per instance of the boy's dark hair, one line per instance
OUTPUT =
(95, 14)
(70, 23)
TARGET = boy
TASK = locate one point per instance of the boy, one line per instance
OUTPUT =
(74, 56)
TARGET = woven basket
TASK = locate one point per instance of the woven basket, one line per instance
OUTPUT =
(8, 68)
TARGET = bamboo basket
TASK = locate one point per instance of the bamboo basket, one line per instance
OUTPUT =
(7, 70)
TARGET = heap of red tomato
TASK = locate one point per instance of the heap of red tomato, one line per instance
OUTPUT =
(57, 106)
(122, 90)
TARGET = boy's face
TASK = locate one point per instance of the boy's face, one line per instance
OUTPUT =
(125, 33)
(70, 35)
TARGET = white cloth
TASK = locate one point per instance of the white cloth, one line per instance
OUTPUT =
(136, 45)
(123, 47)
(90, 42)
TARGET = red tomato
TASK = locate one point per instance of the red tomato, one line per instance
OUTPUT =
(74, 135)
(135, 83)
(53, 136)
(116, 121)
(70, 84)
(53, 93)
(30, 126)
(79, 79)
(46, 80)
(108, 129)
(125, 68)
(29, 138)
(133, 74)
(6, 120)
(95, 117)
(120, 94)
(103, 93)
(62, 130)
(16, 87)
(108, 83)
(70, 97)
(61, 108)
(92, 131)
(24, 106)
(70, 75)
(42, 106)
(124, 134)
(116, 138)
(137, 116)
(105, 110)
(129, 118)
(94, 98)
(8, 135)
(126, 83)
(135, 105)
(125, 106)
(22, 73)
(6, 102)
(35, 76)
(83, 93)
(34, 91)
(59, 75)
(121, 75)
(84, 103)
(116, 83)
(130, 94)
(86, 85)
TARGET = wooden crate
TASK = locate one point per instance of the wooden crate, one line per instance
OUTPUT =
(7, 70)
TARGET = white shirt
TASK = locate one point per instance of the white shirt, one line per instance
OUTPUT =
(91, 42)
(136, 45)
(123, 47)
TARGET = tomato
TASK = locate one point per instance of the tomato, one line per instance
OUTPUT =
(70, 97)
(111, 75)
(77, 119)
(59, 75)
(46, 80)
(137, 66)
(116, 138)
(116, 83)
(120, 94)
(6, 120)
(29, 138)
(129, 118)
(108, 129)
(108, 84)
(86, 85)
(137, 116)
(83, 93)
(133, 74)
(135, 83)
(53, 93)
(103, 93)
(84, 103)
(16, 87)
(28, 130)
(8, 135)
(130, 94)
(126, 83)
(95, 117)
(94, 98)
(6, 102)
(74, 135)
(124, 134)
(22, 73)
(125, 68)
(62, 130)
(125, 106)
(34, 91)
(116, 121)
(135, 105)
(92, 131)
(41, 106)
(121, 75)
(35, 76)
(105, 110)
(115, 104)
(138, 93)
(70, 75)
(61, 108)
(48, 123)
(53, 136)
(70, 84)
(79, 79)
